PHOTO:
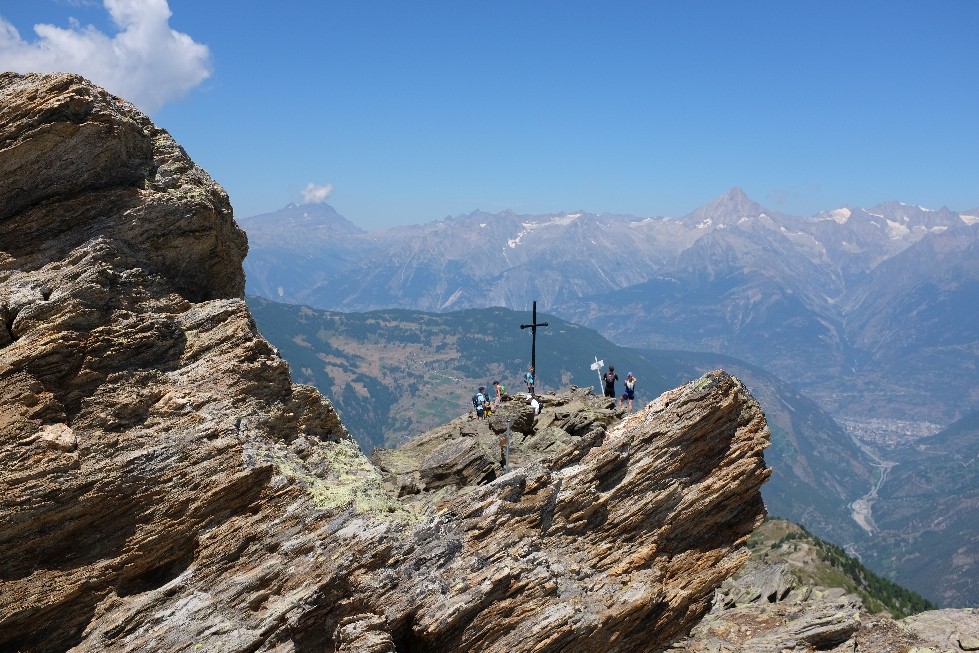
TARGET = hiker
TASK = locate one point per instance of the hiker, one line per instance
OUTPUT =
(498, 391)
(609, 380)
(528, 378)
(480, 402)
(630, 391)
(535, 405)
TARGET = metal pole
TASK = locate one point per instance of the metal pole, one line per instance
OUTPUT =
(533, 339)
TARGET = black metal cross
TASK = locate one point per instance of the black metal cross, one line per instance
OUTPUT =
(533, 340)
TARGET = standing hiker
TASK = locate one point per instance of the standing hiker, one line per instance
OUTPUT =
(498, 391)
(609, 381)
(479, 402)
(528, 378)
(630, 391)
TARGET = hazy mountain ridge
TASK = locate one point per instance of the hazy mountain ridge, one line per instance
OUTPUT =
(300, 247)
(476, 260)
(834, 303)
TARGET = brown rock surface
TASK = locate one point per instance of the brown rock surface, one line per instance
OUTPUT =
(763, 609)
(166, 488)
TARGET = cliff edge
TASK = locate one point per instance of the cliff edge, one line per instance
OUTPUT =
(165, 487)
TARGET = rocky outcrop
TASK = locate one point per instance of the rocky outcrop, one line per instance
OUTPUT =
(764, 609)
(165, 487)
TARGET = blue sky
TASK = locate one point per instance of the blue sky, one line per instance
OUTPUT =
(411, 111)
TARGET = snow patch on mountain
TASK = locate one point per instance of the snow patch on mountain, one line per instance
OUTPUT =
(970, 219)
(840, 216)
(804, 240)
(528, 227)
(896, 229)
(513, 242)
(452, 299)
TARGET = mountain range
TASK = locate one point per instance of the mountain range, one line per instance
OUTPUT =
(869, 311)
(864, 316)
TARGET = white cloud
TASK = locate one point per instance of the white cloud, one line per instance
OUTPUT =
(145, 62)
(315, 194)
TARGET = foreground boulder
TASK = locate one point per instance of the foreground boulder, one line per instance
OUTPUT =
(167, 488)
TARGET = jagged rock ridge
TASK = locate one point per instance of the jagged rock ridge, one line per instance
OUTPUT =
(166, 487)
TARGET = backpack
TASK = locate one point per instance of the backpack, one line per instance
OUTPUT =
(476, 402)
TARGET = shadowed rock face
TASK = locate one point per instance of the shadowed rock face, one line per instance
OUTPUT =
(166, 488)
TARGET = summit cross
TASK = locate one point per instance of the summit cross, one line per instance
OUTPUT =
(533, 340)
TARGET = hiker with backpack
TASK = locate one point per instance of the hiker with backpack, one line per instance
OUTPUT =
(498, 390)
(528, 378)
(609, 381)
(480, 402)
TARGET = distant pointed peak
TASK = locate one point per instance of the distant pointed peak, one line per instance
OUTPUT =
(737, 197)
(726, 209)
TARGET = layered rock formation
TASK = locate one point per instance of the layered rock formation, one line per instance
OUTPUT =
(166, 487)
(765, 610)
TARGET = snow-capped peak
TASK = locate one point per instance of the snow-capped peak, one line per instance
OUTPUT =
(841, 215)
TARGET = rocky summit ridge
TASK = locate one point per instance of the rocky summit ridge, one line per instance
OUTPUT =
(164, 486)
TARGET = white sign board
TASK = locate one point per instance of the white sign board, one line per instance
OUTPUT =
(597, 366)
